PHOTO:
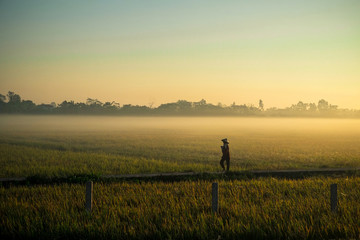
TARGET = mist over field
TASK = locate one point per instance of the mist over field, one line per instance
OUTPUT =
(68, 145)
(224, 126)
(112, 116)
(51, 147)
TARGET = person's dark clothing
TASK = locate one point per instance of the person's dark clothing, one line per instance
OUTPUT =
(225, 157)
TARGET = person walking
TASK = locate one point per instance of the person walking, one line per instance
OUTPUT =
(225, 154)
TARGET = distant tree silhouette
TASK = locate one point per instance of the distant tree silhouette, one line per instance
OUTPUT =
(183, 106)
(312, 107)
(300, 106)
(46, 108)
(67, 107)
(261, 105)
(28, 106)
(12, 103)
(333, 107)
(110, 107)
(13, 98)
(129, 109)
(3, 105)
(2, 98)
(323, 105)
(91, 101)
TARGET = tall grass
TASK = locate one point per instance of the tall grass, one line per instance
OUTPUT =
(265, 209)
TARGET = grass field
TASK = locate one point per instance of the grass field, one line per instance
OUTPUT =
(62, 146)
(258, 209)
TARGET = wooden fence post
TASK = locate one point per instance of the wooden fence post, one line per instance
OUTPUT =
(215, 197)
(89, 196)
(333, 197)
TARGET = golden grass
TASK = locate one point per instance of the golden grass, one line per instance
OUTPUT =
(149, 145)
(263, 208)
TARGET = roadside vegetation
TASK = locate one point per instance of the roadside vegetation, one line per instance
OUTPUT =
(265, 208)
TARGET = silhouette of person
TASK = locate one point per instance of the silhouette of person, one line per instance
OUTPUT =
(225, 154)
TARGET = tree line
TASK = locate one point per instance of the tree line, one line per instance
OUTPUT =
(11, 103)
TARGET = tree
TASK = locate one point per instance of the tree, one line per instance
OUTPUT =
(91, 101)
(312, 107)
(3, 104)
(2, 98)
(202, 102)
(28, 106)
(300, 106)
(183, 105)
(67, 107)
(13, 98)
(261, 105)
(323, 105)
(333, 107)
(111, 106)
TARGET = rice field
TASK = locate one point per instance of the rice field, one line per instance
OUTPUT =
(63, 146)
(258, 209)
(262, 208)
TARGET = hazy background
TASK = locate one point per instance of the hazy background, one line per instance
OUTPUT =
(143, 52)
(68, 145)
(217, 126)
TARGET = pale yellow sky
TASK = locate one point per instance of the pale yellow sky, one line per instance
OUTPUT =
(142, 53)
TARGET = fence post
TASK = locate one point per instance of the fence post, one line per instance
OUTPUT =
(215, 197)
(333, 197)
(89, 196)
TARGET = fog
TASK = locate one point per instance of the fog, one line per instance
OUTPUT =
(196, 125)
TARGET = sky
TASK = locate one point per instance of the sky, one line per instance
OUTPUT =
(153, 52)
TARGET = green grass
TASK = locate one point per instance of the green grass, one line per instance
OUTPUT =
(173, 145)
(258, 209)
(261, 208)
(30, 161)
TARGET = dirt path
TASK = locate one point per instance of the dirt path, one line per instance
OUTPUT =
(251, 172)
(254, 172)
